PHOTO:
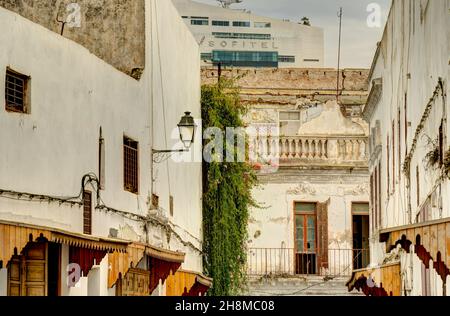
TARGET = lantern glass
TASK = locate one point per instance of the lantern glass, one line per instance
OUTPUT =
(187, 128)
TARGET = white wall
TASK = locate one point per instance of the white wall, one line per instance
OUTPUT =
(73, 94)
(176, 86)
(413, 57)
(49, 150)
(410, 49)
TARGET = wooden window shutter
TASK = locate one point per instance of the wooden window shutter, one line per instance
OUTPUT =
(388, 161)
(393, 156)
(376, 194)
(379, 205)
(87, 213)
(372, 204)
(322, 235)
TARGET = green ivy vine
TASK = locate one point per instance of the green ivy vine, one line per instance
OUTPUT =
(226, 195)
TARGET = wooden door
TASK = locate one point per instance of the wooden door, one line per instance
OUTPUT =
(36, 270)
(136, 283)
(14, 277)
(27, 273)
(305, 238)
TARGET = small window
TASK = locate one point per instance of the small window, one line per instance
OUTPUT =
(305, 207)
(131, 165)
(199, 22)
(155, 201)
(289, 123)
(206, 56)
(16, 92)
(360, 208)
(220, 23)
(171, 205)
(87, 213)
(263, 24)
(311, 60)
(241, 24)
(286, 59)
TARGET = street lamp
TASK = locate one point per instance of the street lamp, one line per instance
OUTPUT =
(187, 129)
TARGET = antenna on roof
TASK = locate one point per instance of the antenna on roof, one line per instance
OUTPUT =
(227, 3)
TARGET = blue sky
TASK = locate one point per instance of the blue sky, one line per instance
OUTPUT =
(358, 40)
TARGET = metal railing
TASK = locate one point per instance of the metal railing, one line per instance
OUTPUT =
(287, 262)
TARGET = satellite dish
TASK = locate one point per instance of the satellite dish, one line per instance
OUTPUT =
(227, 3)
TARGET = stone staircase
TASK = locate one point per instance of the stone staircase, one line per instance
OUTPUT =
(298, 286)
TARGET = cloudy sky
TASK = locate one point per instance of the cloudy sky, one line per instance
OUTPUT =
(358, 39)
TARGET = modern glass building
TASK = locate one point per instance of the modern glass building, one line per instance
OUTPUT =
(238, 38)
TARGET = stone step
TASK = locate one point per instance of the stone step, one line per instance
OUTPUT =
(299, 286)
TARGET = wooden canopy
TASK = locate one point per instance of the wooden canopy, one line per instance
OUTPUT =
(187, 283)
(434, 236)
(161, 262)
(14, 237)
(381, 281)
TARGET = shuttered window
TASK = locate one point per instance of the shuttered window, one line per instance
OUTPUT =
(372, 206)
(393, 156)
(376, 197)
(379, 196)
(388, 161)
(87, 213)
(131, 165)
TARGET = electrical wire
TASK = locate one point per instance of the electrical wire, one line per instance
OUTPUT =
(92, 180)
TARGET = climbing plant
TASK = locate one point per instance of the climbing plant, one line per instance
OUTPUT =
(226, 194)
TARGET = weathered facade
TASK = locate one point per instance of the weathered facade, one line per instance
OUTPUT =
(409, 154)
(285, 88)
(86, 206)
(311, 161)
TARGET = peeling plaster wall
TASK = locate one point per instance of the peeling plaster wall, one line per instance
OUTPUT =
(292, 88)
(275, 220)
(113, 30)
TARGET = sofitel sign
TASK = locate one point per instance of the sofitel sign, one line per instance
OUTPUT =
(241, 44)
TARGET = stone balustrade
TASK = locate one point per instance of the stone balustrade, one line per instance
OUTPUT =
(308, 149)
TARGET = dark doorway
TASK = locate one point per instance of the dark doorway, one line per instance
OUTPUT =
(361, 228)
(54, 269)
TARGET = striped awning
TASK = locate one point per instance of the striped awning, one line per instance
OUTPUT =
(88, 242)
(14, 237)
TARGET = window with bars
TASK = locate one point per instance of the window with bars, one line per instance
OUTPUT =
(16, 92)
(87, 213)
(131, 165)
